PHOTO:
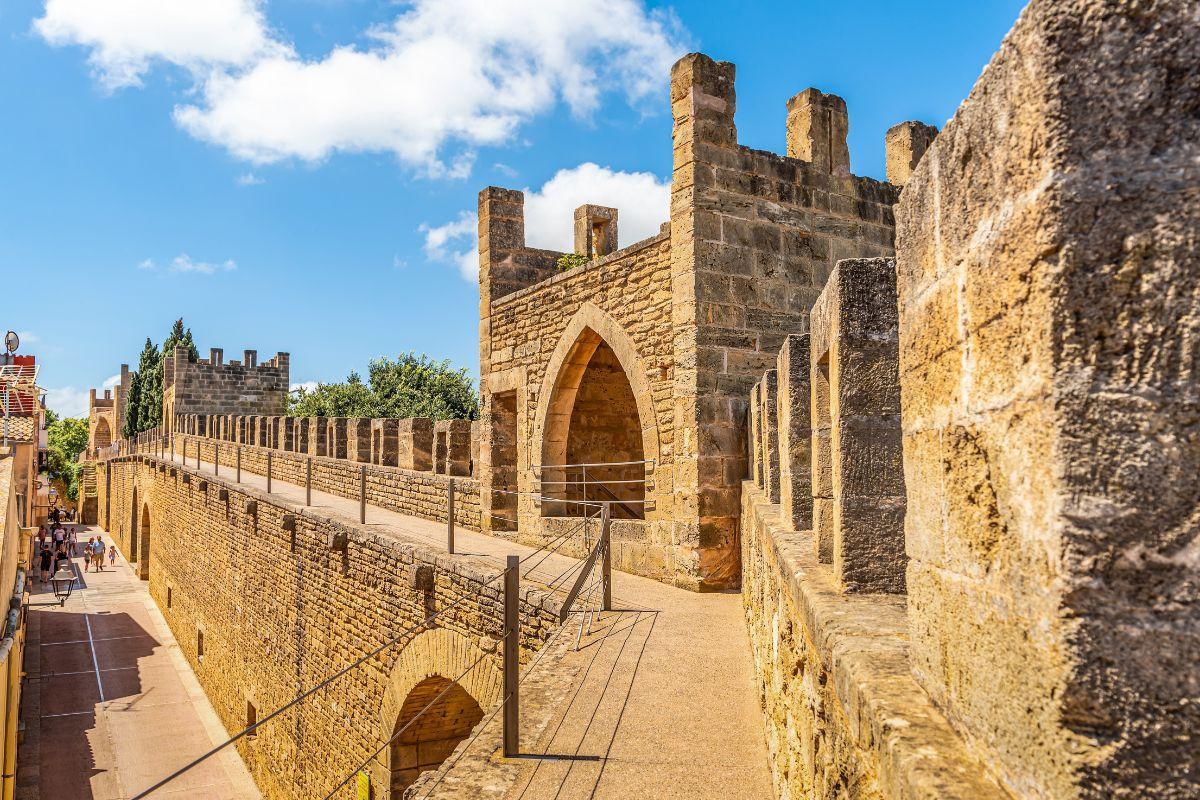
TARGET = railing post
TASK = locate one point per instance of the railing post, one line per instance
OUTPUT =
(606, 555)
(512, 659)
(308, 482)
(185, 453)
(450, 517)
(238, 462)
(268, 472)
(362, 494)
(216, 457)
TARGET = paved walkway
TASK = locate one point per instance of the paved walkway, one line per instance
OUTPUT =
(666, 706)
(111, 705)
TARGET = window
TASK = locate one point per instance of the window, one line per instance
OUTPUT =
(200, 645)
(251, 718)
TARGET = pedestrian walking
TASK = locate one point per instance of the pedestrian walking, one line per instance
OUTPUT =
(45, 557)
(61, 557)
(112, 555)
(87, 554)
(98, 554)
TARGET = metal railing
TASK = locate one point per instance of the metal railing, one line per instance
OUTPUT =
(574, 486)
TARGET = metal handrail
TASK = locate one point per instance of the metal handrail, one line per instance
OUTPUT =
(602, 551)
(598, 464)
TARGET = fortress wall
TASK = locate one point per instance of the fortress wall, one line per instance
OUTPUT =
(282, 609)
(214, 386)
(1048, 264)
(421, 494)
(627, 296)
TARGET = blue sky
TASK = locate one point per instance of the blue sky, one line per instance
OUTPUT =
(301, 175)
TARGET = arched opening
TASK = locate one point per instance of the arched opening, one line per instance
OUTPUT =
(144, 544)
(432, 736)
(592, 445)
(133, 526)
(103, 436)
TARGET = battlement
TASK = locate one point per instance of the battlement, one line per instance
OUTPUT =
(216, 386)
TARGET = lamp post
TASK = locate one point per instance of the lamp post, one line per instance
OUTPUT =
(63, 582)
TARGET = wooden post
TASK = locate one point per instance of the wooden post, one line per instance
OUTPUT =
(450, 517)
(606, 556)
(512, 659)
(362, 494)
(308, 482)
(268, 472)
(238, 462)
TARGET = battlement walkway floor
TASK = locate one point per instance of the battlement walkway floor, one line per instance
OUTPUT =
(663, 703)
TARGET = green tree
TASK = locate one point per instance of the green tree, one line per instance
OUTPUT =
(144, 405)
(417, 386)
(138, 389)
(66, 438)
(410, 385)
(349, 399)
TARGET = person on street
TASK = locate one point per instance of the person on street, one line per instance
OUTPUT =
(98, 554)
(45, 557)
(87, 554)
(112, 555)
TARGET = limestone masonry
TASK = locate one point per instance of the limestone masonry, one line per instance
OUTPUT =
(941, 432)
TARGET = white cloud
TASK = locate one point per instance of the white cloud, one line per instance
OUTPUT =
(454, 243)
(68, 401)
(642, 200)
(308, 386)
(250, 179)
(27, 337)
(442, 79)
(127, 37)
(111, 381)
(184, 263)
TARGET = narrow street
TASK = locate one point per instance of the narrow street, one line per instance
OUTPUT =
(111, 705)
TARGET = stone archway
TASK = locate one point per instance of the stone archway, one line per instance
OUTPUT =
(102, 436)
(143, 542)
(595, 407)
(436, 660)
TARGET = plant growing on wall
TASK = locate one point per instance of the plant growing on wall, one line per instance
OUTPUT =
(571, 260)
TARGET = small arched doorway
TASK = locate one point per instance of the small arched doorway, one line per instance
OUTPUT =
(431, 737)
(143, 551)
(133, 526)
(592, 446)
(103, 436)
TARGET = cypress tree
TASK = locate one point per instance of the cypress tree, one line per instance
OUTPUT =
(137, 413)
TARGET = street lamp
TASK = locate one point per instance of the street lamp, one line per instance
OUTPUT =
(63, 582)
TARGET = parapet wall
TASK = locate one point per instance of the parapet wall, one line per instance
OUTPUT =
(279, 597)
(421, 494)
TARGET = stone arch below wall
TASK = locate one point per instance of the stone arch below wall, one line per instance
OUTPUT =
(428, 664)
(595, 363)
(143, 542)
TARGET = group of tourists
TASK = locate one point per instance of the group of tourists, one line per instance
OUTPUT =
(57, 544)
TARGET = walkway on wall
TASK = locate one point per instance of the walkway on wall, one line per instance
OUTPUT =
(111, 704)
(664, 705)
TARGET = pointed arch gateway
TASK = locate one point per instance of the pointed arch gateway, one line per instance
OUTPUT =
(595, 420)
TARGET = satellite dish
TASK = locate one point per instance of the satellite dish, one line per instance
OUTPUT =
(12, 341)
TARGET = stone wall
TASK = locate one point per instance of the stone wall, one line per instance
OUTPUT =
(421, 494)
(845, 720)
(1048, 263)
(279, 598)
(694, 315)
(212, 386)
